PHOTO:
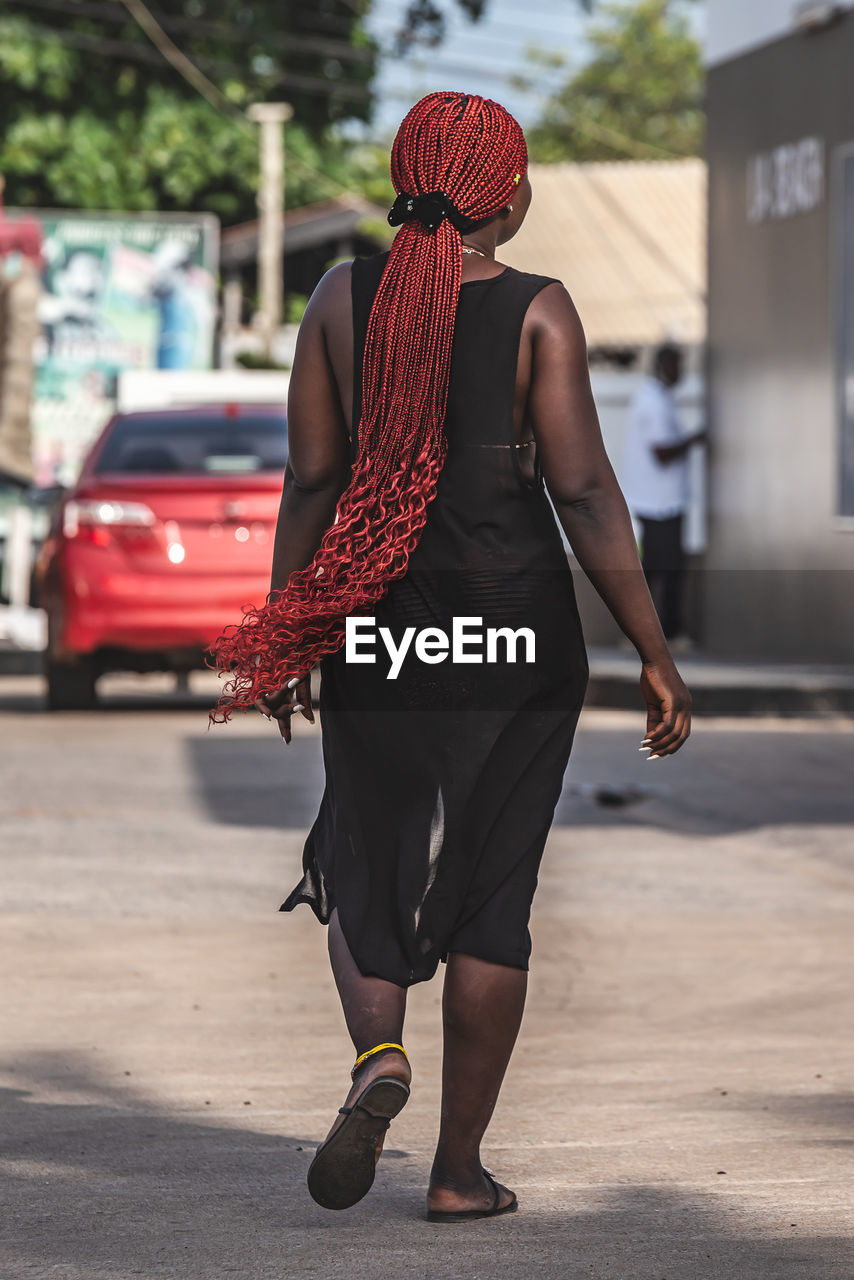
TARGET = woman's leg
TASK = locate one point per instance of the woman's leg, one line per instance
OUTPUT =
(373, 1010)
(482, 1010)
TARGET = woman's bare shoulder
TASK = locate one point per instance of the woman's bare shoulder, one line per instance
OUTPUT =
(553, 304)
(331, 291)
(552, 316)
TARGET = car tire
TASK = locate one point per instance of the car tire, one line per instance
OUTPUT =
(71, 685)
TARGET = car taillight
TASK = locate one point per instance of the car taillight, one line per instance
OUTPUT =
(95, 519)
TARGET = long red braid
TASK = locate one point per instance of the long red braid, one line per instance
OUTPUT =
(474, 151)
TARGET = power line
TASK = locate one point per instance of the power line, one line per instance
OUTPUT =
(530, 22)
(135, 51)
(288, 41)
(619, 141)
(177, 59)
(476, 70)
(95, 44)
(478, 31)
(510, 36)
(109, 10)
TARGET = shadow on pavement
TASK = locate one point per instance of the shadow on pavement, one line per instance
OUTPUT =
(832, 1111)
(257, 781)
(727, 779)
(112, 1185)
(726, 782)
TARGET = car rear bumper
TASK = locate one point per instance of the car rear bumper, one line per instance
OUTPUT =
(149, 614)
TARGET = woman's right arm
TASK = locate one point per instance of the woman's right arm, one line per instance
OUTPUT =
(592, 509)
(318, 466)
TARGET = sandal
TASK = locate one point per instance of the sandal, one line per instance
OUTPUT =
(468, 1215)
(344, 1166)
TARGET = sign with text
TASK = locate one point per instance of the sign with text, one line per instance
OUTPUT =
(786, 181)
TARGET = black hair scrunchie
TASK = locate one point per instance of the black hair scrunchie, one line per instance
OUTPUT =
(431, 209)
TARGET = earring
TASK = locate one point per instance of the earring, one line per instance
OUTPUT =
(510, 208)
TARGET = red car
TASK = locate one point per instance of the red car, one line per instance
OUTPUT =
(168, 532)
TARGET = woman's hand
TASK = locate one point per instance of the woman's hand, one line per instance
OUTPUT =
(281, 705)
(668, 708)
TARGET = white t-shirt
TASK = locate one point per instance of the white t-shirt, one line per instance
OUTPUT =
(654, 489)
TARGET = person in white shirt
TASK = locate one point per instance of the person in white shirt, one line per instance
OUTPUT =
(655, 482)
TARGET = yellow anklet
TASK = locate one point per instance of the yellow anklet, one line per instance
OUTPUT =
(370, 1053)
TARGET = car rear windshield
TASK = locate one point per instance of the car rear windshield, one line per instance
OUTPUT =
(182, 446)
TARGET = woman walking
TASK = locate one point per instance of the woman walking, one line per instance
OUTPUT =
(435, 395)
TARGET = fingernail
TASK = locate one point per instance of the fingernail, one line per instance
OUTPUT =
(644, 748)
(646, 742)
(653, 757)
(298, 707)
(292, 684)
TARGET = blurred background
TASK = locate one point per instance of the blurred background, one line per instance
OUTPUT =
(177, 177)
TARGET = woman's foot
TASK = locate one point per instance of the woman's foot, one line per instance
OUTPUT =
(343, 1168)
(465, 1193)
(390, 1062)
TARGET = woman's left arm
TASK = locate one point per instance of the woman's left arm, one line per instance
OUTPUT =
(592, 509)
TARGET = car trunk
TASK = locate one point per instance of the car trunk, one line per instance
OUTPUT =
(203, 525)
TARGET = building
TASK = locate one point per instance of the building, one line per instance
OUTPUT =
(628, 239)
(312, 237)
(779, 579)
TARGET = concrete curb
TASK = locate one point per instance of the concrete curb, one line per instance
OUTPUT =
(20, 662)
(722, 687)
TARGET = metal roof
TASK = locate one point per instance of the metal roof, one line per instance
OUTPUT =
(628, 239)
(310, 225)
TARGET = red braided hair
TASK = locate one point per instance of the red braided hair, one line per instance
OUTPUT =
(474, 151)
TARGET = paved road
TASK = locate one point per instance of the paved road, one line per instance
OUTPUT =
(680, 1105)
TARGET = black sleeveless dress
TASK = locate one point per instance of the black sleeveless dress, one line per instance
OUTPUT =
(441, 783)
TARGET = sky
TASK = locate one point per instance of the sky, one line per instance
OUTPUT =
(477, 57)
(482, 57)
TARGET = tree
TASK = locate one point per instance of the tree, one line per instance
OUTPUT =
(92, 116)
(317, 56)
(640, 96)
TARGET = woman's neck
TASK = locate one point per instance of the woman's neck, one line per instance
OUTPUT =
(478, 260)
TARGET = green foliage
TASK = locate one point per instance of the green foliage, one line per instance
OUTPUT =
(316, 56)
(640, 96)
(257, 359)
(295, 305)
(38, 67)
(176, 155)
(92, 117)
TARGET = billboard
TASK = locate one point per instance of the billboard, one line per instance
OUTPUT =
(119, 291)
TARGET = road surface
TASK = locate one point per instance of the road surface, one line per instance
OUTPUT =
(680, 1104)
